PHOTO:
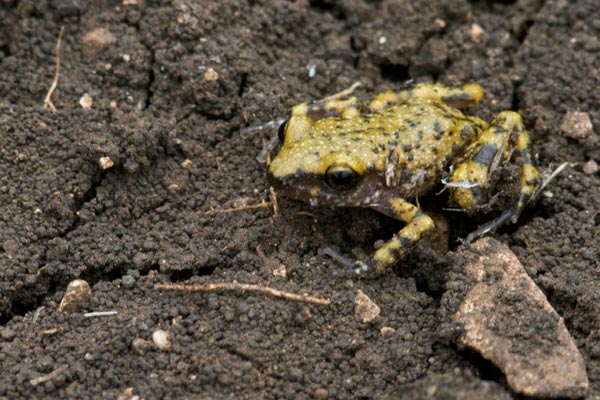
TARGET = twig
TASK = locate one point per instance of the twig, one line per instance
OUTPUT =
(273, 198)
(37, 313)
(242, 287)
(261, 254)
(47, 101)
(100, 314)
(49, 332)
(344, 92)
(548, 179)
(306, 214)
(48, 377)
(264, 204)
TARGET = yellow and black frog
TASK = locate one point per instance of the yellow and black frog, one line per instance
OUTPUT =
(385, 152)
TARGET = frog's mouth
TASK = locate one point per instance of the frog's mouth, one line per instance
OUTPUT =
(313, 188)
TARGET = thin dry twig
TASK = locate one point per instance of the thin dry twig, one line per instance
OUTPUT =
(273, 198)
(49, 377)
(261, 254)
(242, 287)
(344, 92)
(49, 332)
(548, 179)
(264, 204)
(100, 314)
(306, 214)
(47, 102)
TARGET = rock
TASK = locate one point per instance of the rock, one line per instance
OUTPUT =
(508, 320)
(86, 101)
(387, 331)
(140, 346)
(7, 334)
(96, 42)
(590, 167)
(78, 292)
(321, 394)
(452, 385)
(577, 125)
(161, 340)
(476, 33)
(105, 162)
(365, 308)
(210, 75)
(127, 281)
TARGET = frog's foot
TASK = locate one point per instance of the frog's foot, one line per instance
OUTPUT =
(353, 267)
(272, 127)
(458, 97)
(491, 147)
(488, 227)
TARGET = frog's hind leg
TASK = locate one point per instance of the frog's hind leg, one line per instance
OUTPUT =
(469, 179)
(465, 96)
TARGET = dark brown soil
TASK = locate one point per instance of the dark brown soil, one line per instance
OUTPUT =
(156, 103)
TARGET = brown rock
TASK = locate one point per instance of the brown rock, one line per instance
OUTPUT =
(577, 125)
(96, 42)
(476, 33)
(321, 394)
(78, 292)
(365, 308)
(590, 167)
(508, 320)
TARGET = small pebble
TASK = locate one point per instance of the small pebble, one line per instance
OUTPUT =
(386, 331)
(280, 271)
(97, 41)
(140, 345)
(7, 334)
(211, 75)
(185, 164)
(77, 293)
(365, 308)
(161, 340)
(86, 101)
(105, 162)
(127, 281)
(321, 394)
(476, 33)
(590, 167)
(577, 125)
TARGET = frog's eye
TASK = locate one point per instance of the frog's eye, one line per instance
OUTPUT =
(341, 177)
(281, 131)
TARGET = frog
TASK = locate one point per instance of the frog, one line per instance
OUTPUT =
(386, 151)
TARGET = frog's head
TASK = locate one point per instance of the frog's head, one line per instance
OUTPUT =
(307, 172)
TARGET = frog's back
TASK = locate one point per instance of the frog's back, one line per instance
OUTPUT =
(425, 134)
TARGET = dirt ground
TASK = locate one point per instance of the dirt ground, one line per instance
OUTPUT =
(171, 84)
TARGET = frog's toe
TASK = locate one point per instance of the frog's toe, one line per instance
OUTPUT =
(353, 267)
(489, 226)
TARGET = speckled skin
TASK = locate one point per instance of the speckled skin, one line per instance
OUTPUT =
(393, 149)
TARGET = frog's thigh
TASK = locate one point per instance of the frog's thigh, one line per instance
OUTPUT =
(417, 225)
(470, 177)
(316, 110)
(458, 97)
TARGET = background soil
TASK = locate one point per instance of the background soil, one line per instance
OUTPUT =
(158, 102)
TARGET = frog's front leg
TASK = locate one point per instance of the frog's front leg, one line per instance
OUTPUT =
(469, 179)
(417, 225)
